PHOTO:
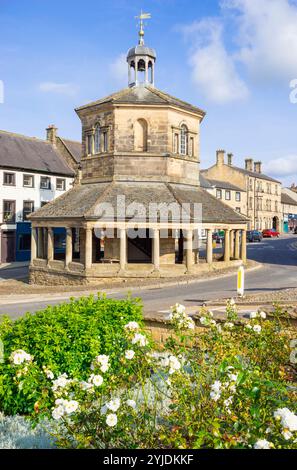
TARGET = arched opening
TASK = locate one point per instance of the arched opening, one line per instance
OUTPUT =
(150, 72)
(140, 135)
(184, 140)
(275, 223)
(141, 71)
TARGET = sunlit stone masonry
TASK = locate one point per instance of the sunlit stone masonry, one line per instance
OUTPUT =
(137, 209)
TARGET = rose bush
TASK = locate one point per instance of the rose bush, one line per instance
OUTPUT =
(62, 340)
(228, 385)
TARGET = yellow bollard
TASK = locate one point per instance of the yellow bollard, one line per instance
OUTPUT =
(240, 281)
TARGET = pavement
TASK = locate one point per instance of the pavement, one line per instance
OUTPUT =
(278, 272)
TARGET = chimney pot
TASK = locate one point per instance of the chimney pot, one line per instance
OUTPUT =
(258, 167)
(220, 157)
(51, 134)
(249, 164)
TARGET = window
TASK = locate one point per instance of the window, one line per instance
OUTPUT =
(45, 182)
(183, 140)
(28, 181)
(105, 142)
(276, 189)
(89, 144)
(219, 194)
(24, 242)
(237, 196)
(60, 184)
(9, 212)
(251, 184)
(140, 136)
(228, 195)
(276, 206)
(9, 179)
(97, 139)
(250, 203)
(28, 208)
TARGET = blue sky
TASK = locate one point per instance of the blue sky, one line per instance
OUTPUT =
(233, 58)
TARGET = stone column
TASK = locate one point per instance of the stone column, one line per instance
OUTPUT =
(156, 249)
(33, 244)
(40, 252)
(189, 249)
(123, 249)
(227, 246)
(237, 247)
(50, 245)
(232, 243)
(68, 254)
(243, 246)
(88, 248)
(209, 249)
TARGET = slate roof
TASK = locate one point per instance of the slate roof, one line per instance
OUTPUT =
(286, 199)
(75, 148)
(84, 201)
(204, 182)
(224, 185)
(31, 154)
(255, 175)
(144, 95)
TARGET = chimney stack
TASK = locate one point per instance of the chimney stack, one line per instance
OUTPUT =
(258, 167)
(249, 164)
(220, 157)
(230, 159)
(51, 134)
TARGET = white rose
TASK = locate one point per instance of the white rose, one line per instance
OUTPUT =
(97, 380)
(111, 420)
(253, 315)
(129, 354)
(132, 326)
(114, 404)
(263, 315)
(257, 329)
(262, 444)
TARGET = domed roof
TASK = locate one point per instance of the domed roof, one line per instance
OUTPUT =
(141, 50)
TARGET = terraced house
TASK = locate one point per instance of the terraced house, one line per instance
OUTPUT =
(260, 194)
(32, 173)
(140, 166)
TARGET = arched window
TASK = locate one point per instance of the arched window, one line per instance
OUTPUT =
(140, 135)
(97, 139)
(183, 140)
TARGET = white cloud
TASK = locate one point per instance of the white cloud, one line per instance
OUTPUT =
(119, 69)
(282, 167)
(266, 36)
(214, 70)
(69, 89)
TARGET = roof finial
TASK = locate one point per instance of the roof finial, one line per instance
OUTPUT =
(141, 17)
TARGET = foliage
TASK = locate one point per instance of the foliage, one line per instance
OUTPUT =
(59, 339)
(230, 386)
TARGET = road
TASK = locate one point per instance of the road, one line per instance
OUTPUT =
(279, 271)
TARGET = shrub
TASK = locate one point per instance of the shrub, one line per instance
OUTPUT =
(62, 339)
(231, 386)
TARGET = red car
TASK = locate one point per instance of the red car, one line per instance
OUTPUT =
(270, 233)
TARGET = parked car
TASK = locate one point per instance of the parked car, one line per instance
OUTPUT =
(270, 233)
(254, 236)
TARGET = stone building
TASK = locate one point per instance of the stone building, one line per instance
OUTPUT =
(262, 194)
(289, 209)
(32, 173)
(139, 207)
(227, 192)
